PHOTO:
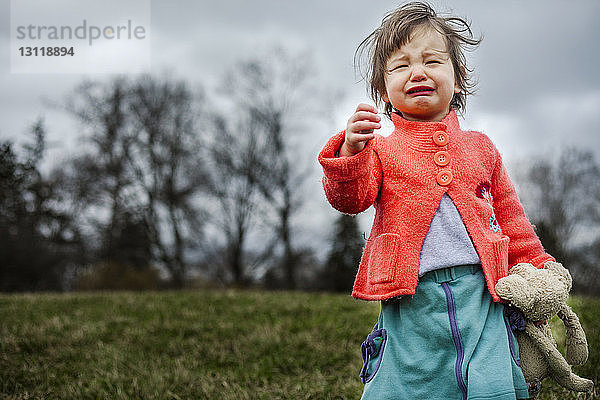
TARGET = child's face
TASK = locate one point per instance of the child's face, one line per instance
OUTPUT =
(420, 79)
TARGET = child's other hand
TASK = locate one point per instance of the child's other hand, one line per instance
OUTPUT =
(360, 129)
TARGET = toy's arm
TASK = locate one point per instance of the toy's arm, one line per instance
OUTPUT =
(351, 183)
(576, 351)
(524, 245)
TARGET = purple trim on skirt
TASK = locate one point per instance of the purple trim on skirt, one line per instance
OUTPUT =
(510, 339)
(456, 337)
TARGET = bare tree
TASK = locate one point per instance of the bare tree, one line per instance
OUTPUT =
(272, 93)
(238, 208)
(142, 172)
(169, 167)
(563, 196)
(101, 177)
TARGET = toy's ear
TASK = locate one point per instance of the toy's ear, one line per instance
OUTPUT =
(561, 273)
(515, 289)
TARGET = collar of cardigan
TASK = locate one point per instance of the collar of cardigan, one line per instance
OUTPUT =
(419, 134)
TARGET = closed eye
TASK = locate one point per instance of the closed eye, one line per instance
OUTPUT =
(398, 67)
(433, 62)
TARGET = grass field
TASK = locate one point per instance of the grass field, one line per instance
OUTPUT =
(200, 345)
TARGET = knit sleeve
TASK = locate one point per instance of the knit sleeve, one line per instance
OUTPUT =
(351, 183)
(524, 245)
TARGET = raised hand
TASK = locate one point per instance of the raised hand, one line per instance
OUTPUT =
(359, 129)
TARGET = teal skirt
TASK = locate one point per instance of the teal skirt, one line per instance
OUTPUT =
(449, 340)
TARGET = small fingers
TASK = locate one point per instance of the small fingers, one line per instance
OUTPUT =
(360, 137)
(361, 126)
(364, 115)
(366, 107)
(365, 137)
(358, 126)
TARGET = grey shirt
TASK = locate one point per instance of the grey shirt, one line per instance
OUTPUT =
(447, 243)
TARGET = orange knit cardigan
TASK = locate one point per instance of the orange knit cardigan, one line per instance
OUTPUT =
(405, 176)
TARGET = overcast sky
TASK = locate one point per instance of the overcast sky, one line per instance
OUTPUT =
(537, 67)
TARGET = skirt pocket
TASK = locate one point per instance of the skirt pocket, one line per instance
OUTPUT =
(372, 353)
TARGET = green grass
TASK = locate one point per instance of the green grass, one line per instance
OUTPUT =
(206, 344)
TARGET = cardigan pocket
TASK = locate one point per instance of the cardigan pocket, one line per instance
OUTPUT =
(384, 258)
(500, 248)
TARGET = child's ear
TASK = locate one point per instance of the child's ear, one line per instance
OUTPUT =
(457, 89)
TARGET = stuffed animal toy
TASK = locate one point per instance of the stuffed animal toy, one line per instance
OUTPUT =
(539, 294)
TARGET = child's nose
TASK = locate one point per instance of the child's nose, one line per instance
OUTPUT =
(417, 74)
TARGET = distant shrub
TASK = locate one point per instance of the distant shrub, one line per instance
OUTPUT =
(115, 276)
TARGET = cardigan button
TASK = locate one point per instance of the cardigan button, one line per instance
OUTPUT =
(440, 138)
(441, 158)
(444, 178)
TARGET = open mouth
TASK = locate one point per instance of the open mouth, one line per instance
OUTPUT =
(420, 90)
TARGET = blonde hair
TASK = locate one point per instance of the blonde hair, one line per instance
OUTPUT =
(395, 31)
